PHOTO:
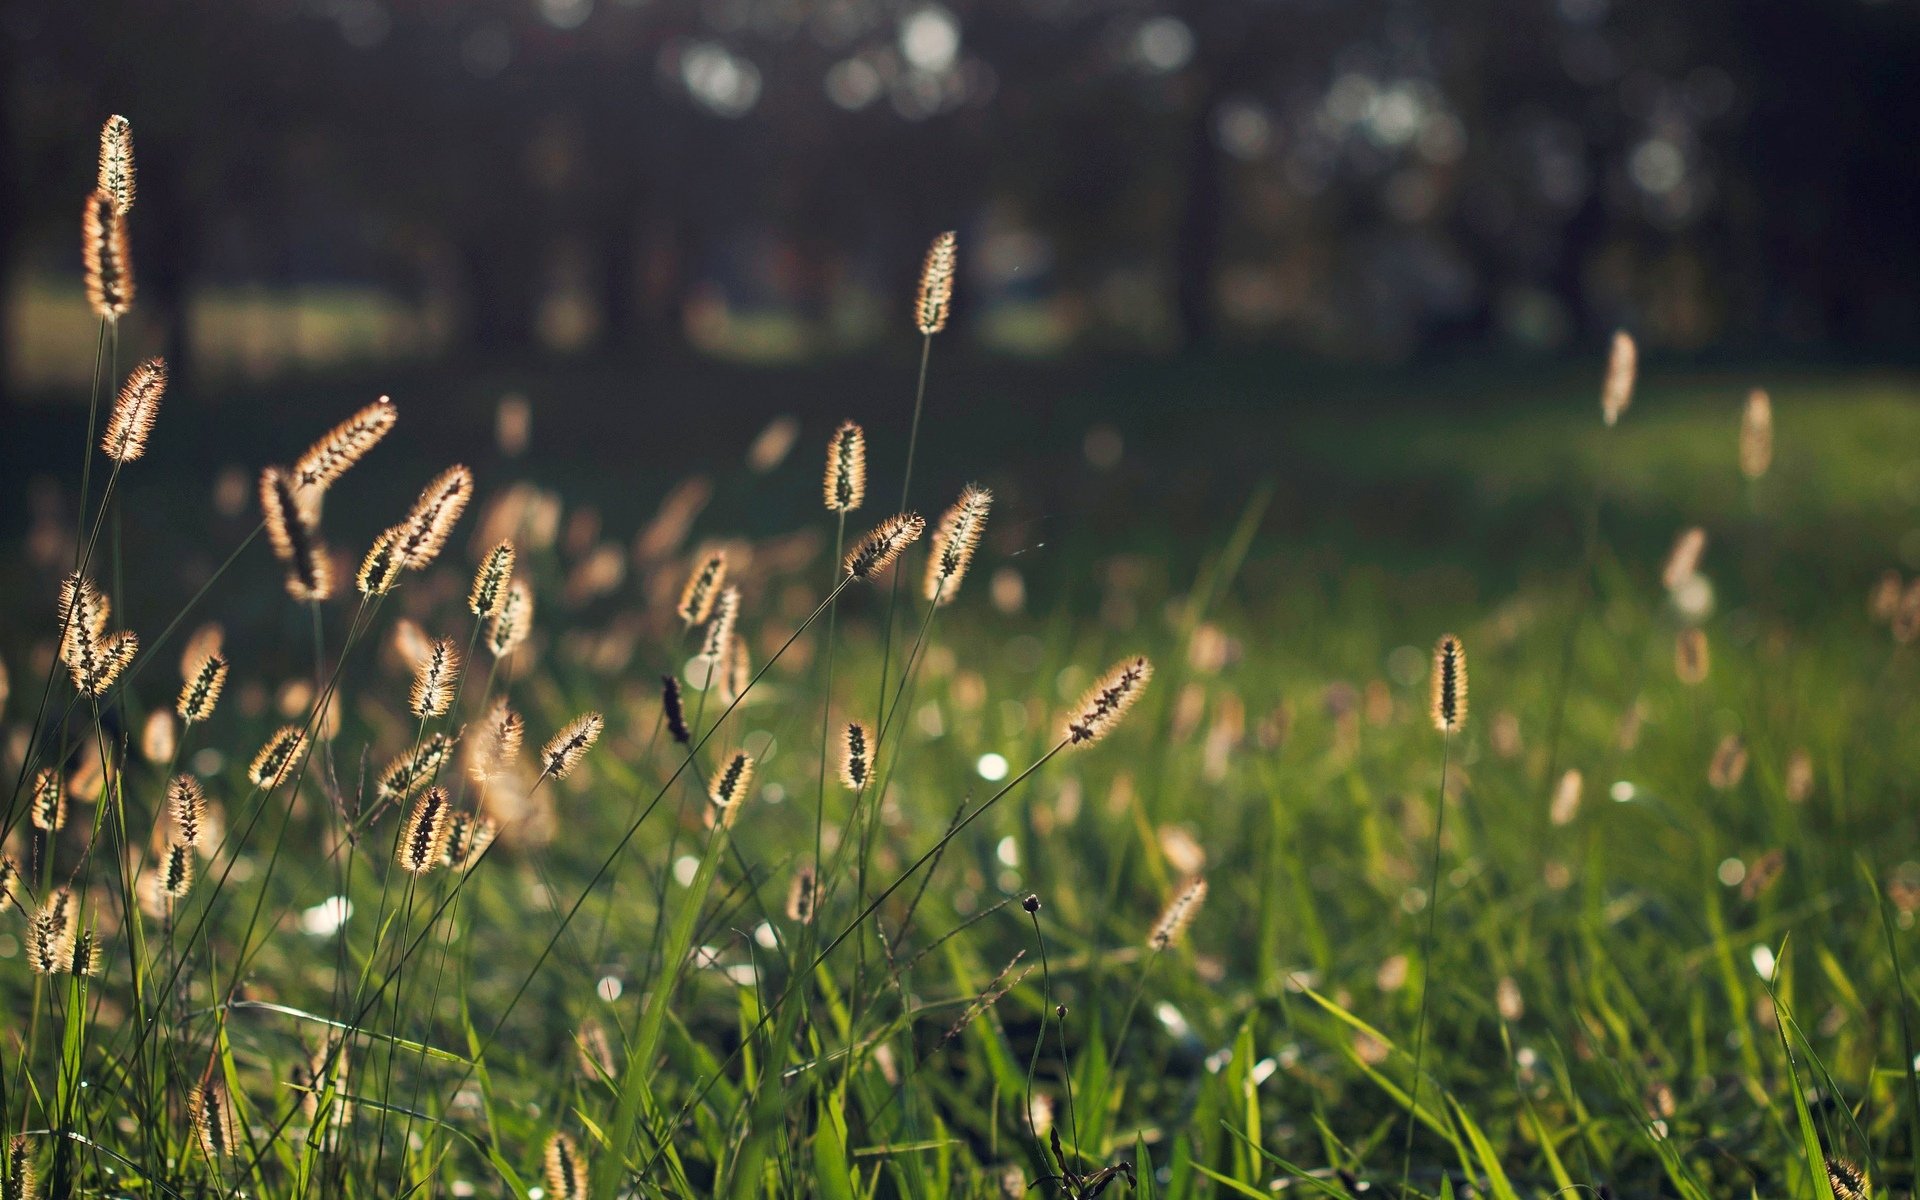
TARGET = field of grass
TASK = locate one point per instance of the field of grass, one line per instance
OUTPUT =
(1678, 973)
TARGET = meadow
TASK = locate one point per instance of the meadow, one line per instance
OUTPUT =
(733, 833)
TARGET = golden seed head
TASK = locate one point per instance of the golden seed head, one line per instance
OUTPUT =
(566, 1174)
(202, 689)
(51, 932)
(468, 836)
(89, 954)
(1849, 1182)
(340, 447)
(496, 748)
(876, 551)
(9, 881)
(1683, 561)
(1729, 765)
(277, 758)
(1178, 914)
(800, 895)
(187, 806)
(954, 541)
(48, 806)
(380, 569)
(434, 679)
(1566, 798)
(175, 876)
(430, 522)
(423, 840)
(1100, 710)
(510, 626)
(563, 753)
(730, 787)
(415, 769)
(703, 588)
(846, 485)
(96, 672)
(134, 411)
(491, 581)
(674, 710)
(1449, 684)
(1617, 391)
(856, 761)
(1691, 662)
(212, 1115)
(295, 539)
(84, 613)
(109, 266)
(717, 642)
(1756, 435)
(20, 1181)
(116, 163)
(935, 298)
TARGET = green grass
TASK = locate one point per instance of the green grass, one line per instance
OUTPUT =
(1599, 1016)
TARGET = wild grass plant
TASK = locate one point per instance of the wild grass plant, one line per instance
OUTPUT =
(561, 865)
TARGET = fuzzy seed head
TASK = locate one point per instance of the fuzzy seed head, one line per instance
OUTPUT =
(134, 411)
(1178, 914)
(496, 748)
(509, 627)
(434, 679)
(846, 485)
(380, 569)
(187, 808)
(566, 1174)
(20, 1181)
(674, 710)
(1729, 765)
(116, 163)
(89, 954)
(703, 588)
(202, 689)
(563, 753)
(935, 298)
(1449, 684)
(175, 876)
(1617, 391)
(277, 757)
(48, 805)
(954, 541)
(295, 539)
(9, 882)
(468, 836)
(1691, 662)
(800, 895)
(416, 768)
(98, 671)
(856, 761)
(1566, 798)
(717, 642)
(340, 447)
(1756, 435)
(875, 552)
(491, 581)
(212, 1115)
(730, 786)
(51, 932)
(424, 838)
(1683, 561)
(109, 266)
(1100, 710)
(1848, 1180)
(84, 613)
(428, 525)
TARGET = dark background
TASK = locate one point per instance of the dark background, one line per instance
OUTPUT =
(328, 182)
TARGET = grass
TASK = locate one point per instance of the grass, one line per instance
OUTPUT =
(1001, 976)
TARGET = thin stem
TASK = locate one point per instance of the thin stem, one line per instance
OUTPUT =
(1426, 965)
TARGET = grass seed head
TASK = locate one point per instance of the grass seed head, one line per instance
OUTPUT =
(296, 540)
(1617, 391)
(1683, 561)
(468, 836)
(1729, 765)
(566, 1173)
(109, 266)
(201, 691)
(116, 163)
(175, 876)
(564, 752)
(717, 641)
(1691, 661)
(1756, 435)
(491, 582)
(846, 485)
(9, 882)
(134, 411)
(885, 542)
(434, 679)
(424, 838)
(1100, 710)
(935, 297)
(730, 787)
(277, 757)
(954, 540)
(674, 710)
(48, 804)
(509, 627)
(496, 747)
(415, 769)
(1848, 1180)
(341, 447)
(800, 895)
(1449, 684)
(20, 1182)
(1178, 914)
(430, 522)
(213, 1117)
(856, 751)
(187, 809)
(702, 590)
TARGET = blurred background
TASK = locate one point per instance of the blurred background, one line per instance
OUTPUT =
(330, 184)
